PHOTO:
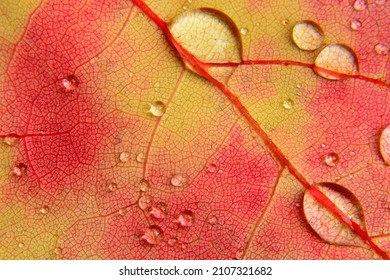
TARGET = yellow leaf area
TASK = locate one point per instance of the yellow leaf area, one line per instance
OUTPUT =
(117, 145)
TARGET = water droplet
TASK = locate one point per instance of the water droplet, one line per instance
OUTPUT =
(339, 59)
(172, 241)
(323, 145)
(58, 251)
(21, 245)
(330, 228)
(122, 211)
(360, 5)
(153, 235)
(44, 210)
(331, 159)
(299, 85)
(179, 180)
(307, 35)
(186, 218)
(111, 187)
(207, 34)
(381, 49)
(185, 7)
(20, 169)
(70, 83)
(124, 156)
(285, 22)
(384, 145)
(213, 220)
(189, 1)
(140, 157)
(356, 24)
(244, 31)
(288, 104)
(159, 211)
(144, 202)
(212, 168)
(157, 108)
(10, 141)
(144, 185)
(352, 153)
(350, 175)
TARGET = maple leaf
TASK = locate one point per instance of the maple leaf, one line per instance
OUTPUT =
(194, 130)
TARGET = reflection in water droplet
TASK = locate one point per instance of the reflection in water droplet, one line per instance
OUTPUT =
(360, 5)
(331, 159)
(213, 220)
(20, 169)
(157, 108)
(144, 201)
(381, 49)
(111, 187)
(337, 58)
(384, 145)
(207, 34)
(212, 168)
(325, 223)
(124, 156)
(153, 235)
(159, 211)
(143, 185)
(70, 83)
(307, 35)
(356, 24)
(186, 218)
(244, 31)
(10, 141)
(140, 157)
(179, 180)
(288, 104)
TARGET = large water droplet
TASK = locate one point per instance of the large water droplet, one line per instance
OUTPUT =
(325, 223)
(153, 235)
(356, 24)
(360, 5)
(186, 218)
(144, 185)
(179, 180)
(145, 201)
(337, 58)
(381, 49)
(124, 156)
(384, 145)
(70, 83)
(331, 159)
(159, 211)
(157, 108)
(307, 35)
(288, 104)
(19, 170)
(208, 34)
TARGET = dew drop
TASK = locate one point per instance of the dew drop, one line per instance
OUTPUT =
(352, 153)
(207, 34)
(360, 5)
(70, 83)
(186, 218)
(212, 168)
(244, 31)
(153, 235)
(185, 7)
(331, 159)
(285, 22)
(325, 223)
(21, 245)
(44, 210)
(381, 49)
(159, 211)
(323, 145)
(337, 58)
(122, 211)
(288, 104)
(172, 241)
(140, 157)
(144, 201)
(299, 85)
(307, 35)
(384, 145)
(124, 156)
(10, 141)
(157, 108)
(143, 185)
(213, 220)
(19, 169)
(356, 24)
(179, 180)
(58, 251)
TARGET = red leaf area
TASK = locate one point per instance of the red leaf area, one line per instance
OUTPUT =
(119, 183)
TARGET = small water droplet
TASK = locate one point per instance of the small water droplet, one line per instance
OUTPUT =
(337, 178)
(179, 180)
(70, 83)
(185, 7)
(212, 168)
(20, 169)
(360, 5)
(381, 49)
(244, 31)
(384, 145)
(331, 159)
(186, 218)
(299, 85)
(350, 175)
(189, 1)
(10, 141)
(307, 35)
(339, 59)
(157, 85)
(172, 241)
(153, 235)
(288, 104)
(144, 185)
(157, 108)
(124, 156)
(140, 157)
(21, 245)
(145, 201)
(111, 187)
(44, 210)
(122, 211)
(58, 251)
(352, 153)
(159, 211)
(213, 220)
(285, 22)
(356, 24)
(323, 145)
(330, 228)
